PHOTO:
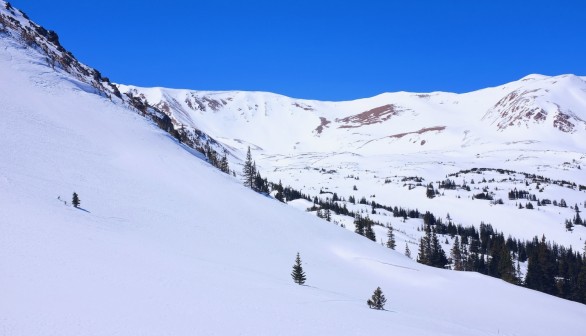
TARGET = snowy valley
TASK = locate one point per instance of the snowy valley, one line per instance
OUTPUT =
(163, 243)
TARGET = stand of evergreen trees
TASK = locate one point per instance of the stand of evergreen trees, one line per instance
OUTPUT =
(552, 269)
(252, 177)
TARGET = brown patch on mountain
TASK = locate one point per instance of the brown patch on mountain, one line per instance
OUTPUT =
(374, 116)
(204, 103)
(323, 123)
(303, 107)
(562, 122)
(421, 131)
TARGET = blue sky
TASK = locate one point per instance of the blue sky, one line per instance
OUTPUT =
(328, 50)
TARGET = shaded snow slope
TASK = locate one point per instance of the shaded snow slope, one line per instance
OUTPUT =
(167, 245)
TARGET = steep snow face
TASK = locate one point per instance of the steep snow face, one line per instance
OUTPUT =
(164, 244)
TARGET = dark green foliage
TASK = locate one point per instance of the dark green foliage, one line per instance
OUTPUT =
(364, 227)
(213, 157)
(75, 200)
(248, 170)
(552, 268)
(541, 268)
(369, 232)
(577, 219)
(251, 176)
(377, 300)
(430, 192)
(456, 255)
(359, 224)
(298, 274)
(569, 225)
(430, 250)
(391, 238)
(224, 164)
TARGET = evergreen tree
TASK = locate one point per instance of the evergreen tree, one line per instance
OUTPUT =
(456, 255)
(75, 200)
(224, 164)
(438, 256)
(298, 274)
(377, 300)
(391, 238)
(430, 250)
(580, 290)
(407, 251)
(425, 247)
(359, 224)
(518, 274)
(569, 225)
(430, 192)
(248, 171)
(577, 219)
(506, 270)
(368, 231)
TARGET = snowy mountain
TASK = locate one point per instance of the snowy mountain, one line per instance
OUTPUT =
(532, 126)
(163, 243)
(535, 108)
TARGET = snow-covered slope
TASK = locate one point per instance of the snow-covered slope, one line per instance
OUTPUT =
(535, 108)
(166, 245)
(535, 125)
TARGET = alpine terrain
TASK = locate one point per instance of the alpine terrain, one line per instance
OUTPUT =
(115, 219)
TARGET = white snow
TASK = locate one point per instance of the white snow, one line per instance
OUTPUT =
(166, 245)
(282, 133)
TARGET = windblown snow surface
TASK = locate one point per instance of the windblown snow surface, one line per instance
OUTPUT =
(166, 245)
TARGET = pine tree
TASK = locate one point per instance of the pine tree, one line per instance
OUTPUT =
(224, 164)
(248, 171)
(456, 255)
(391, 238)
(75, 200)
(359, 224)
(377, 300)
(298, 274)
(506, 269)
(569, 225)
(424, 256)
(407, 251)
(368, 231)
(438, 256)
(577, 219)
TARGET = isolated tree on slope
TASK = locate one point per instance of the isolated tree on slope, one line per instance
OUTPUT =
(249, 171)
(377, 300)
(75, 200)
(407, 251)
(391, 238)
(298, 274)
